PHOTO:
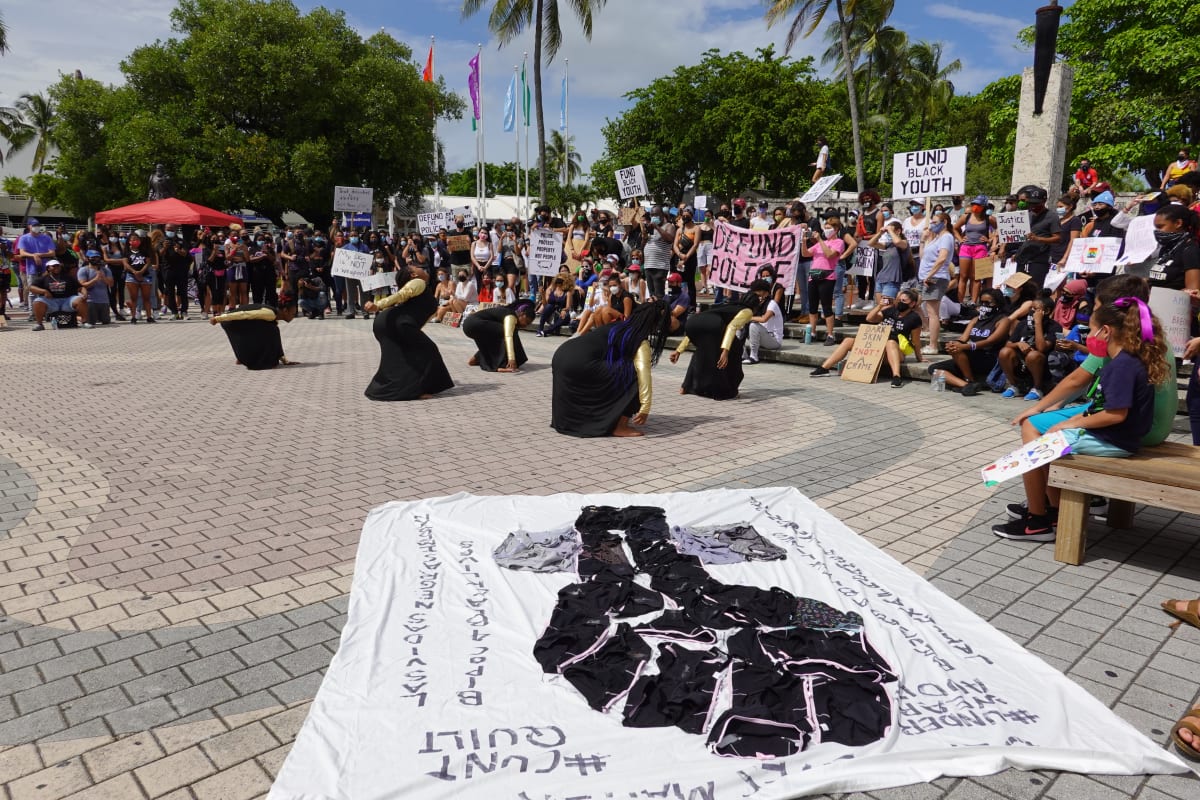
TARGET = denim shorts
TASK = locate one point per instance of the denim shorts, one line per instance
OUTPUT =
(889, 289)
(56, 305)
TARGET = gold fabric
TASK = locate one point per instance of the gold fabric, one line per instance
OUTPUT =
(510, 328)
(683, 346)
(265, 314)
(411, 289)
(641, 366)
(736, 324)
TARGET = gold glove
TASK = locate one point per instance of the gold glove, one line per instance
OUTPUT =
(683, 346)
(510, 328)
(641, 366)
(412, 289)
(736, 324)
(265, 314)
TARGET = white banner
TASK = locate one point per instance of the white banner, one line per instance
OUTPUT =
(545, 252)
(701, 202)
(353, 198)
(436, 691)
(380, 280)
(819, 188)
(926, 173)
(1174, 311)
(631, 182)
(1094, 254)
(351, 264)
(738, 255)
(1012, 226)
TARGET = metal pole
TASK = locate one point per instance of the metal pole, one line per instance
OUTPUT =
(566, 126)
(479, 219)
(437, 184)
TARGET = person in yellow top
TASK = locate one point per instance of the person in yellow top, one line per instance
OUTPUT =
(715, 370)
(253, 332)
(1183, 164)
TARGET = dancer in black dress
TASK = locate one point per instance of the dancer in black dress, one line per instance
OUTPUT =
(253, 332)
(602, 378)
(496, 334)
(410, 365)
(715, 370)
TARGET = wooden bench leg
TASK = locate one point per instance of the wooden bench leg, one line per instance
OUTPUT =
(1071, 540)
(1120, 514)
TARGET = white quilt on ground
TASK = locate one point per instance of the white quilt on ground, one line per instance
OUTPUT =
(434, 692)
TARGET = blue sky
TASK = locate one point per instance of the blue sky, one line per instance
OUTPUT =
(633, 43)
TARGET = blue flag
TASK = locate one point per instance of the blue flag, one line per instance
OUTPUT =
(510, 105)
(562, 108)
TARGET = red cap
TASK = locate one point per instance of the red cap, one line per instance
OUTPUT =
(674, 277)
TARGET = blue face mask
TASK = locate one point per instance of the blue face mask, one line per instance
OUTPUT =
(937, 227)
(887, 215)
(353, 240)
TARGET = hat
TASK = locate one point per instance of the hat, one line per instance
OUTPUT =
(1104, 197)
(1076, 287)
(54, 262)
(739, 203)
(1017, 280)
(93, 254)
(32, 221)
(918, 200)
(613, 258)
(674, 277)
(980, 200)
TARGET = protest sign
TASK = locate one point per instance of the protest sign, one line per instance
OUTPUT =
(431, 222)
(1002, 271)
(629, 216)
(459, 243)
(819, 188)
(380, 280)
(1029, 456)
(984, 266)
(1174, 311)
(923, 173)
(1140, 243)
(1012, 226)
(701, 202)
(545, 252)
(353, 198)
(351, 264)
(862, 364)
(631, 182)
(1055, 277)
(865, 259)
(739, 254)
(1093, 254)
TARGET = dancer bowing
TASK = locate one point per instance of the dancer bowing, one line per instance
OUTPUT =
(253, 332)
(410, 365)
(602, 378)
(715, 370)
(495, 331)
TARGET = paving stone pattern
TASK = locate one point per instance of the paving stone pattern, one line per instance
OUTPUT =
(177, 537)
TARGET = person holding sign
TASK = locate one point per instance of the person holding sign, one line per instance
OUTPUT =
(410, 364)
(977, 232)
(495, 332)
(974, 353)
(715, 370)
(822, 275)
(1121, 413)
(903, 340)
(253, 332)
(601, 381)
(1033, 255)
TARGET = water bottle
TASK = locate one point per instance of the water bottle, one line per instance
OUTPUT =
(808, 334)
(54, 323)
(939, 380)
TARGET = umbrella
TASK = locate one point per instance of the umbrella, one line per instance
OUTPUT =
(172, 209)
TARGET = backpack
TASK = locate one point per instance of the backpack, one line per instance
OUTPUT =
(996, 379)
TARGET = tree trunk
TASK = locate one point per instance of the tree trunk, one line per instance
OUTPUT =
(537, 90)
(852, 92)
(883, 161)
(921, 130)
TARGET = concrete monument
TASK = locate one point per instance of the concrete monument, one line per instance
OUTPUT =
(1045, 111)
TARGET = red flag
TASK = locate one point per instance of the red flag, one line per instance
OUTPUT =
(427, 75)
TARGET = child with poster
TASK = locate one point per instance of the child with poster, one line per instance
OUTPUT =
(1113, 424)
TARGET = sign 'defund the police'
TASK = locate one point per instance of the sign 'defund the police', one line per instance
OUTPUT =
(925, 173)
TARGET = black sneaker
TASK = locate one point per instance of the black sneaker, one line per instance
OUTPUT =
(1028, 528)
(830, 341)
(818, 372)
(1098, 508)
(897, 382)
(1020, 510)
(970, 390)
(748, 360)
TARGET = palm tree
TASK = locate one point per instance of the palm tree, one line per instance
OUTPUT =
(809, 14)
(39, 120)
(510, 18)
(13, 129)
(934, 92)
(3, 35)
(561, 151)
(871, 37)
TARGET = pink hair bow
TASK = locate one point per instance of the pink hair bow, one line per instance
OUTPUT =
(1143, 310)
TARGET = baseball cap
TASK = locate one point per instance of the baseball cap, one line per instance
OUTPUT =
(93, 254)
(674, 277)
(32, 221)
(739, 203)
(979, 200)
(634, 268)
(54, 262)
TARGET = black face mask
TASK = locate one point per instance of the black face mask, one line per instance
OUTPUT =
(902, 306)
(1103, 212)
(1169, 238)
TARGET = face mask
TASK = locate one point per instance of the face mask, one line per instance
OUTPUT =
(1183, 159)
(289, 235)
(887, 215)
(768, 279)
(984, 309)
(829, 232)
(379, 261)
(1103, 211)
(1062, 212)
(1097, 347)
(122, 240)
(885, 239)
(614, 289)
(95, 262)
(259, 242)
(655, 220)
(673, 291)
(170, 234)
(688, 217)
(38, 229)
(903, 306)
(1169, 238)
(441, 278)
(1008, 291)
(976, 209)
(462, 278)
(353, 240)
(233, 239)
(1022, 205)
(543, 217)
(937, 227)
(637, 261)
(1085, 166)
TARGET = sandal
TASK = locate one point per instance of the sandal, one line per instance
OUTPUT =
(1190, 721)
(1190, 613)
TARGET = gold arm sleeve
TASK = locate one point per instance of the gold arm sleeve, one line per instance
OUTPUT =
(259, 313)
(736, 324)
(510, 327)
(683, 346)
(411, 289)
(641, 366)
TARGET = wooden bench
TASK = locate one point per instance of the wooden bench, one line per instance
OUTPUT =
(1165, 476)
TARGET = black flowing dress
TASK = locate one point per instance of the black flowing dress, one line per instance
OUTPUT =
(487, 329)
(410, 364)
(589, 396)
(255, 342)
(706, 330)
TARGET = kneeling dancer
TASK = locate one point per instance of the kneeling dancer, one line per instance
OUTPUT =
(496, 334)
(410, 364)
(253, 332)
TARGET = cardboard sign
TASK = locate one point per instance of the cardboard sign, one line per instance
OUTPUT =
(1012, 226)
(629, 216)
(865, 259)
(351, 264)
(701, 202)
(631, 182)
(923, 173)
(1094, 254)
(1001, 271)
(457, 244)
(1174, 311)
(545, 252)
(862, 365)
(1038, 453)
(984, 266)
(819, 188)
(353, 198)
(738, 255)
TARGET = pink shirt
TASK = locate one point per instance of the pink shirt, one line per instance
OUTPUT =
(820, 262)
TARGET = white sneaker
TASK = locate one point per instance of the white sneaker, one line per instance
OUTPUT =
(929, 350)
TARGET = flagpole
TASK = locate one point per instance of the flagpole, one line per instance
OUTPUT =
(566, 126)
(517, 143)
(480, 219)
(437, 184)
(525, 119)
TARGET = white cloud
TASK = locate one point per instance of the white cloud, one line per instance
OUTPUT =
(1001, 31)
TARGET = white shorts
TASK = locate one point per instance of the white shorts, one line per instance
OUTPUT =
(704, 253)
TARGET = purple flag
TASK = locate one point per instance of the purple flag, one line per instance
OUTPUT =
(473, 84)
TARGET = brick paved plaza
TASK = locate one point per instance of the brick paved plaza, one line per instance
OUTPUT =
(177, 537)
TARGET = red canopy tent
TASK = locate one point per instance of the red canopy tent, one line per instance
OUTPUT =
(179, 212)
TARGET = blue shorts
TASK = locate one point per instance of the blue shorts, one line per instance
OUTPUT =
(889, 289)
(1048, 419)
(1082, 442)
(56, 305)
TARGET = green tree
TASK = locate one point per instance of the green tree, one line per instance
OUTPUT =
(255, 105)
(510, 18)
(14, 185)
(12, 130)
(561, 154)
(808, 17)
(501, 179)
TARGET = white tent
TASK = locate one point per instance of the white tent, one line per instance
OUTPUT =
(495, 208)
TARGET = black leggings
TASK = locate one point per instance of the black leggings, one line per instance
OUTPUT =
(116, 295)
(657, 280)
(262, 286)
(175, 285)
(689, 278)
(820, 295)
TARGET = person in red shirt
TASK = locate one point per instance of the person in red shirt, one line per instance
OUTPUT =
(1086, 178)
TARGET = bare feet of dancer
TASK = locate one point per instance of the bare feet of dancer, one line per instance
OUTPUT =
(473, 362)
(623, 428)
